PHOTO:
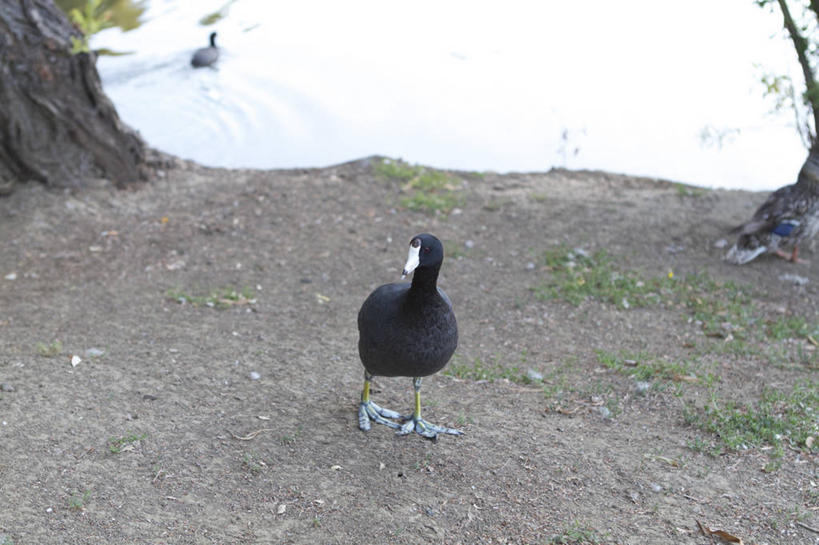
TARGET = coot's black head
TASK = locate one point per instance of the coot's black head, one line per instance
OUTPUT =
(213, 39)
(426, 253)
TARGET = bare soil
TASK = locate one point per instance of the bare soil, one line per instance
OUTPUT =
(202, 424)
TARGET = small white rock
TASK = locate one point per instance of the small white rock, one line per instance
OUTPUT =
(75, 360)
(469, 244)
(794, 279)
(721, 243)
(11, 276)
(531, 374)
(642, 386)
(254, 375)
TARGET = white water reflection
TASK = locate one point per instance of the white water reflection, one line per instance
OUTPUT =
(622, 86)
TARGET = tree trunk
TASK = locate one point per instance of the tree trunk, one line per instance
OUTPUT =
(56, 124)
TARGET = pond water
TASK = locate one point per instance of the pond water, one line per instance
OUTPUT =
(627, 86)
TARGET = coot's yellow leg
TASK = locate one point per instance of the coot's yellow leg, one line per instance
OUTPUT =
(419, 425)
(368, 410)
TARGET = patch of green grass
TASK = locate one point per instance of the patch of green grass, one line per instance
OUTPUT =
(576, 276)
(558, 383)
(49, 350)
(777, 419)
(396, 169)
(77, 502)
(431, 202)
(698, 444)
(250, 463)
(464, 418)
(221, 298)
(689, 191)
(479, 370)
(792, 327)
(118, 444)
(725, 311)
(644, 367)
(290, 438)
(428, 190)
(576, 534)
(421, 464)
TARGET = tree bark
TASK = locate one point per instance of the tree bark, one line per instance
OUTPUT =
(801, 46)
(56, 124)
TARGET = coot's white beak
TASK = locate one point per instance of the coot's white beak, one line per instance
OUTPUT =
(412, 260)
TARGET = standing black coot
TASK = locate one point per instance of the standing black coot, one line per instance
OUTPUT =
(207, 55)
(407, 330)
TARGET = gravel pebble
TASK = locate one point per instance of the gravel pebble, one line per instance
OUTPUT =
(254, 375)
(6, 387)
(794, 279)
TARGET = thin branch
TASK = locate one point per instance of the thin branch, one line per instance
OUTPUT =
(801, 46)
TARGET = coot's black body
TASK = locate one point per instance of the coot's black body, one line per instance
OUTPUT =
(407, 330)
(207, 55)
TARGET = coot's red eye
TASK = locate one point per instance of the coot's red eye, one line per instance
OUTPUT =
(426, 249)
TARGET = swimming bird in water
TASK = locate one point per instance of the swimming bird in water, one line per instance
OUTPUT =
(407, 330)
(789, 216)
(207, 55)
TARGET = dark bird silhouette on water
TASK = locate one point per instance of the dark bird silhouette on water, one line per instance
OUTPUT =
(407, 330)
(207, 55)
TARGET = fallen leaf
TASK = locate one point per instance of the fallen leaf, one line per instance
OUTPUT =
(322, 298)
(725, 536)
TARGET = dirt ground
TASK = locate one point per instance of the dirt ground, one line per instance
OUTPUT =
(190, 423)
